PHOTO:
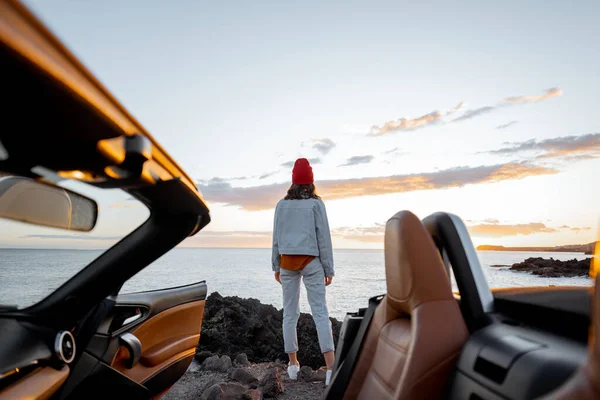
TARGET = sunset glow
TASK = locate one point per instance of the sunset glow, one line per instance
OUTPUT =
(455, 113)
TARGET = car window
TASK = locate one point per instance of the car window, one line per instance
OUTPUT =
(35, 260)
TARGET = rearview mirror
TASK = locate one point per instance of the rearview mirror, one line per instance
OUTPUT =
(27, 200)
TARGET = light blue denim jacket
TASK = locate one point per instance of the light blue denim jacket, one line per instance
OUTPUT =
(301, 228)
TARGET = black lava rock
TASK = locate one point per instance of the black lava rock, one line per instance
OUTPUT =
(233, 325)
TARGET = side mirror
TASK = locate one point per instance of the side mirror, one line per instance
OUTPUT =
(27, 200)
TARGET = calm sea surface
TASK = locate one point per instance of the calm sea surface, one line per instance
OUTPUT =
(27, 276)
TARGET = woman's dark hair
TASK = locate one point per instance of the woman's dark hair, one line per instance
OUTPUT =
(302, 192)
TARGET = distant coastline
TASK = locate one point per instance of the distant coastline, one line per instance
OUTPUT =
(573, 248)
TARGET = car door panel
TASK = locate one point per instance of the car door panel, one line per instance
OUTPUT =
(165, 338)
(40, 384)
(164, 327)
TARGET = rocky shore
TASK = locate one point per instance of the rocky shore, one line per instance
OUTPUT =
(233, 325)
(240, 355)
(220, 378)
(551, 268)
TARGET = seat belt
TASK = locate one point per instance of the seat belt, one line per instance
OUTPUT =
(340, 380)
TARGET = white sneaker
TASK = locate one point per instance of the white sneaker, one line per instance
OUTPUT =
(293, 371)
(328, 377)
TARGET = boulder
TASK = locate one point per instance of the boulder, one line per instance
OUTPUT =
(308, 375)
(212, 393)
(226, 364)
(233, 325)
(216, 363)
(271, 383)
(252, 394)
(243, 376)
(224, 391)
(305, 373)
(212, 363)
(241, 360)
(320, 375)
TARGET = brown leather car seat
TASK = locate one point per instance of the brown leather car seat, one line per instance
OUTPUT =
(417, 331)
(585, 383)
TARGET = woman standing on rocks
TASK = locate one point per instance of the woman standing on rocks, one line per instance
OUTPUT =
(302, 249)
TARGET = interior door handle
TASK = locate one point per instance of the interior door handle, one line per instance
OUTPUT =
(133, 344)
(132, 318)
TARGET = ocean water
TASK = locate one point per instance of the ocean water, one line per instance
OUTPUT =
(27, 276)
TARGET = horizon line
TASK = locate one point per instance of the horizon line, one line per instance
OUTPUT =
(267, 248)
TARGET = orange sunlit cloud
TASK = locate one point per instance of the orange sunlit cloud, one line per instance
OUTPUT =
(408, 124)
(436, 117)
(265, 197)
(500, 230)
(548, 94)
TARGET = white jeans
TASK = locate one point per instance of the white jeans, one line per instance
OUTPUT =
(314, 281)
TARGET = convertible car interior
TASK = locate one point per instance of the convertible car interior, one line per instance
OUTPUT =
(423, 342)
(86, 340)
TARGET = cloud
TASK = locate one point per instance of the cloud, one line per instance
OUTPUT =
(392, 151)
(72, 237)
(220, 181)
(491, 228)
(504, 126)
(500, 230)
(436, 117)
(548, 94)
(323, 145)
(474, 113)
(374, 234)
(581, 147)
(577, 230)
(508, 101)
(392, 154)
(268, 175)
(290, 164)
(410, 124)
(370, 234)
(357, 160)
(265, 197)
(230, 239)
(237, 233)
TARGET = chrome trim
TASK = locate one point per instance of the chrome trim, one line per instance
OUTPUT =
(58, 346)
(132, 319)
(483, 290)
(17, 370)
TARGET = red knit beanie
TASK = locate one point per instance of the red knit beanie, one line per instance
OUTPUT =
(302, 174)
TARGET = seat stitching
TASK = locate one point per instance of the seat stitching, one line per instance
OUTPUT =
(382, 381)
(389, 342)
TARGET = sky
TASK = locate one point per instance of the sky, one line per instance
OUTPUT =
(486, 110)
